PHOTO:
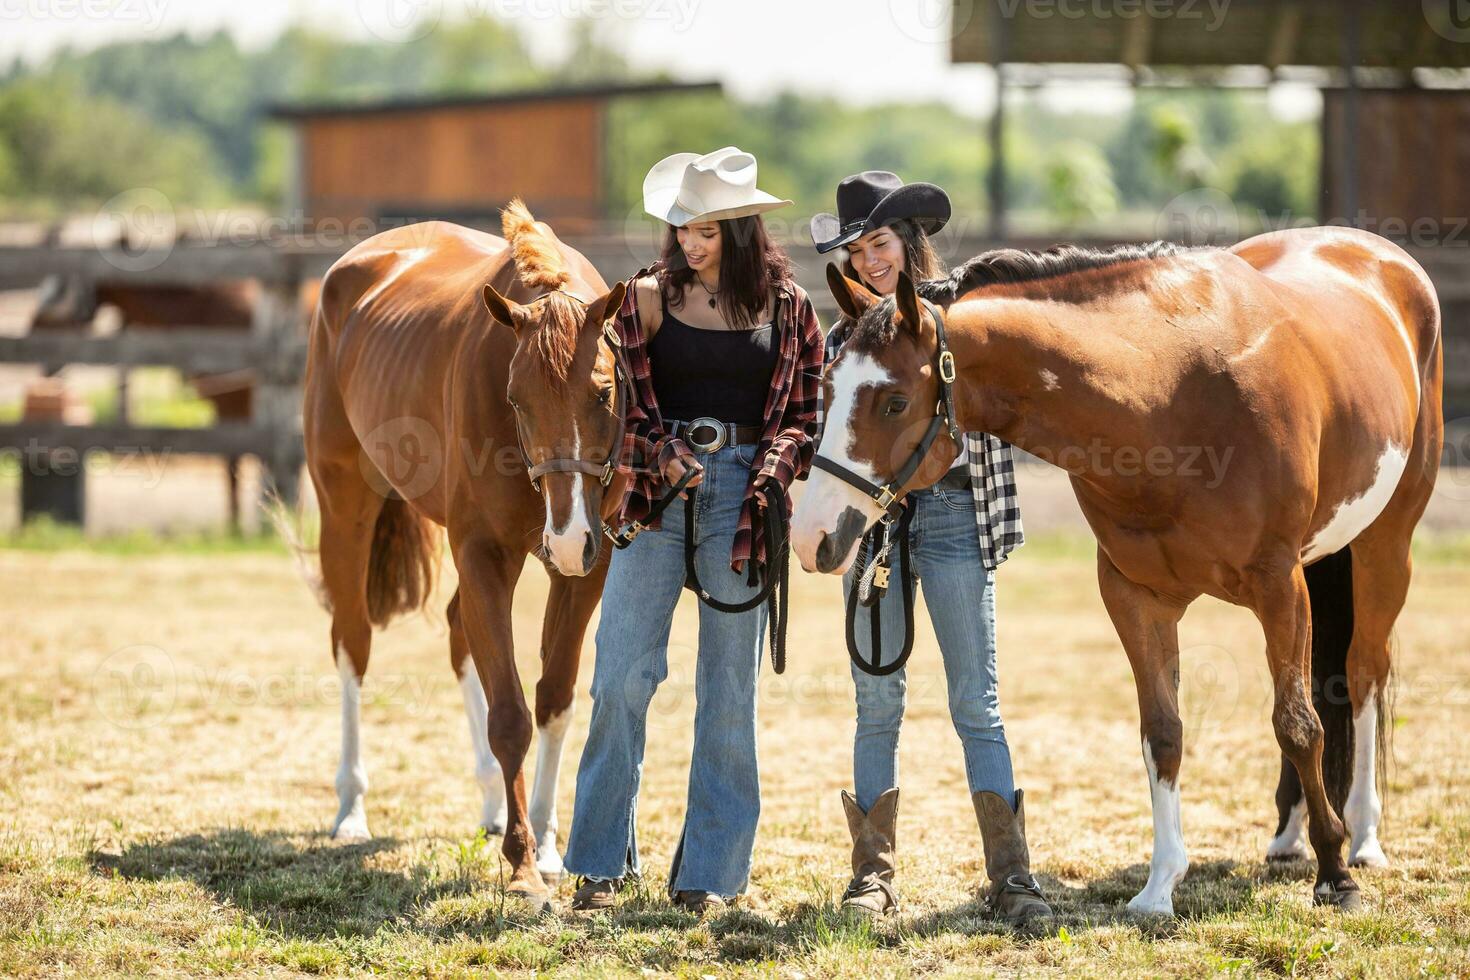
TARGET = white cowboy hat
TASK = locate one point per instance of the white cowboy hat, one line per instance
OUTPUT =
(689, 187)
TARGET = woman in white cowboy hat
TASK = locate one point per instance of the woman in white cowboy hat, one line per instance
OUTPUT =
(960, 530)
(725, 355)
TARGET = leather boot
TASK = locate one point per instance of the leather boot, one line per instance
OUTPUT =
(1014, 896)
(871, 889)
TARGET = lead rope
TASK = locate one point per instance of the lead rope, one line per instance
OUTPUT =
(775, 591)
(873, 581)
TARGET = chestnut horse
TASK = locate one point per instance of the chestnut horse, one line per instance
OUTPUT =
(408, 425)
(1260, 424)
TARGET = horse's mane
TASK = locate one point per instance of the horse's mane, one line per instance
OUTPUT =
(1002, 266)
(538, 262)
(539, 266)
(1011, 265)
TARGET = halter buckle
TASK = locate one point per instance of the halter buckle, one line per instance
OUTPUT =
(946, 367)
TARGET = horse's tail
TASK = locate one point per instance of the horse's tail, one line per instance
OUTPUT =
(1330, 587)
(401, 565)
(289, 526)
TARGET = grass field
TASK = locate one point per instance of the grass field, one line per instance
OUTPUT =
(168, 737)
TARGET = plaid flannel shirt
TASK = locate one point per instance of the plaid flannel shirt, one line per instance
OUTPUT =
(785, 450)
(991, 463)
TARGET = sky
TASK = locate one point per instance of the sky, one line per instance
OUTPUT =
(842, 48)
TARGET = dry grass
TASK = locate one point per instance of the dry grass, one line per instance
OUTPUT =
(168, 735)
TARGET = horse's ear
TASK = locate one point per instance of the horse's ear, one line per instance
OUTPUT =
(502, 309)
(908, 303)
(853, 298)
(613, 301)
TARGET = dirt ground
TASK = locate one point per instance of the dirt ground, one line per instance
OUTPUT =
(169, 734)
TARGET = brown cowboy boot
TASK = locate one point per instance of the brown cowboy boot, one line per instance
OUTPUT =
(871, 889)
(1014, 896)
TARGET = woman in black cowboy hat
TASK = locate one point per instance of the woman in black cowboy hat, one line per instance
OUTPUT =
(961, 529)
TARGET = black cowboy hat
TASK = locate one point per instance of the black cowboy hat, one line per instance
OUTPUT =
(873, 199)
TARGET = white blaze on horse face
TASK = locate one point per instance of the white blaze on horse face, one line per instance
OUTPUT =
(487, 768)
(567, 544)
(551, 738)
(1362, 810)
(1356, 513)
(1169, 861)
(352, 782)
(826, 497)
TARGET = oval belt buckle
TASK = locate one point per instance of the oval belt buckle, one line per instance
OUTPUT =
(717, 437)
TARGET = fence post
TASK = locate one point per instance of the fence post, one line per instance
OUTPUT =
(279, 327)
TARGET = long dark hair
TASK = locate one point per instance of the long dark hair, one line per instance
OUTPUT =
(920, 260)
(751, 264)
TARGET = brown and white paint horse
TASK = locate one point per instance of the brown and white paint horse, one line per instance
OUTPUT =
(1309, 361)
(409, 424)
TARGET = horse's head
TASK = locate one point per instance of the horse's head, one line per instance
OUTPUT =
(882, 395)
(566, 392)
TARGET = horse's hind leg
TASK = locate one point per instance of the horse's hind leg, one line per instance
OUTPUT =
(568, 608)
(1281, 602)
(349, 512)
(477, 712)
(1147, 623)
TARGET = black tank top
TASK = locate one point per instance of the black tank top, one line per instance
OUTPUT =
(723, 374)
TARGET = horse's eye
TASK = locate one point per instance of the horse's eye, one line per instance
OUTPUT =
(604, 395)
(896, 406)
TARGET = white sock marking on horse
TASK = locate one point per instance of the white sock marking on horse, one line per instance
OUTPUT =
(1362, 809)
(551, 738)
(1356, 513)
(1291, 843)
(487, 769)
(352, 781)
(567, 544)
(1169, 861)
(826, 496)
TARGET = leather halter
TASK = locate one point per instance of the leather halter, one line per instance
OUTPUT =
(605, 470)
(886, 495)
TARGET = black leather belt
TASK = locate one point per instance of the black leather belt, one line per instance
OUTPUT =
(705, 435)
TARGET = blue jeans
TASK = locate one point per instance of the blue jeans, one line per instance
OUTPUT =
(960, 595)
(643, 586)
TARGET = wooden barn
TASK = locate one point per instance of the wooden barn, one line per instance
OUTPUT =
(460, 158)
(1395, 81)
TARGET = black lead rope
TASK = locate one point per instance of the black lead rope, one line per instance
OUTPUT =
(775, 590)
(872, 550)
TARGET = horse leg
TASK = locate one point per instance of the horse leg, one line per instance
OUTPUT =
(1147, 623)
(232, 482)
(1290, 842)
(568, 609)
(1283, 605)
(349, 512)
(477, 712)
(488, 572)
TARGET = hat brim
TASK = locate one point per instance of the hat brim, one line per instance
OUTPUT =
(662, 203)
(927, 204)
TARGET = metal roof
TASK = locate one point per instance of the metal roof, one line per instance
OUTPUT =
(1394, 34)
(310, 110)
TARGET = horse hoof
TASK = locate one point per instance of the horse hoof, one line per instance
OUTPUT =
(1368, 856)
(1343, 896)
(351, 831)
(535, 900)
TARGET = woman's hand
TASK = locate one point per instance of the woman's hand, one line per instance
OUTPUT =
(759, 484)
(675, 470)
